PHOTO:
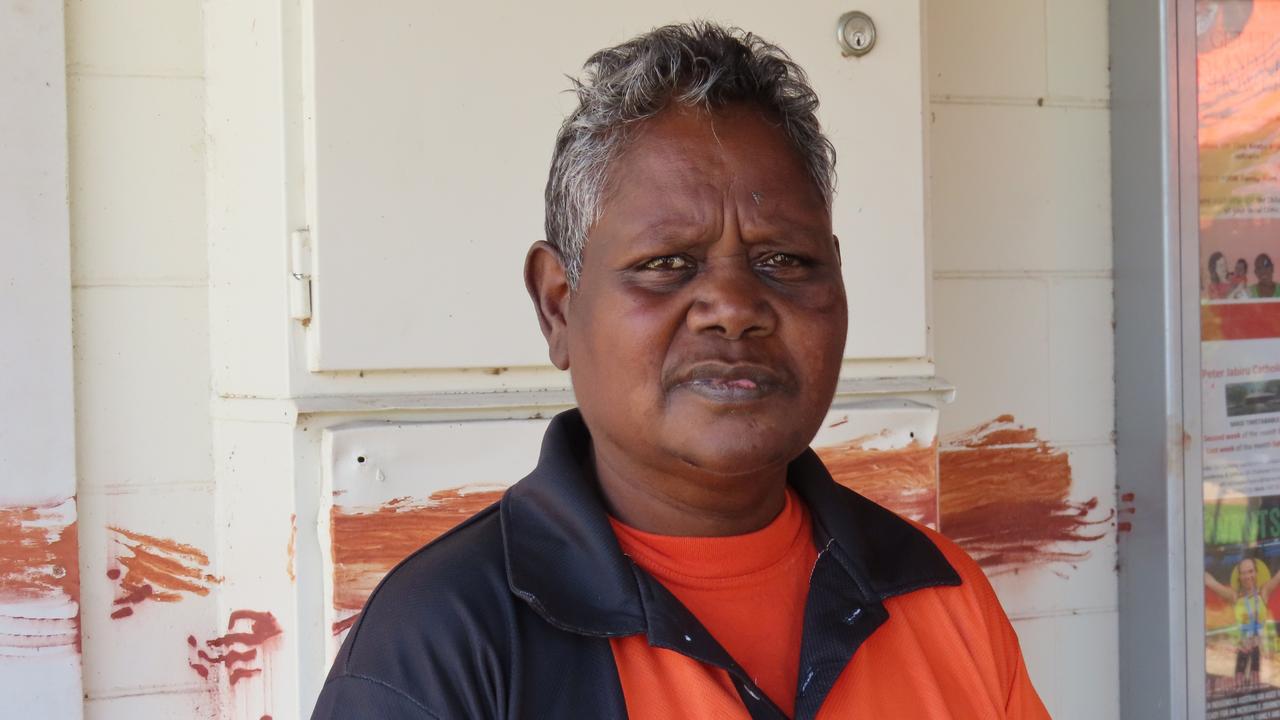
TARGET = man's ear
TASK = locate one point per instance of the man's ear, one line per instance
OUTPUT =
(839, 259)
(548, 285)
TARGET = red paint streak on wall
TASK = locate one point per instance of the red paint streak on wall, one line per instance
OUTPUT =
(1004, 497)
(366, 544)
(248, 631)
(904, 480)
(39, 556)
(39, 565)
(1003, 430)
(345, 624)
(998, 490)
(146, 567)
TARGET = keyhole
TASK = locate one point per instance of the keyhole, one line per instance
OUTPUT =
(856, 33)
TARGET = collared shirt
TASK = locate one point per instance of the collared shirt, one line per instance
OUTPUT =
(510, 614)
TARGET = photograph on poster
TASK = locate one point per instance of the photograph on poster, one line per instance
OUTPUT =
(1252, 398)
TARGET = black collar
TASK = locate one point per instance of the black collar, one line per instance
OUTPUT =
(564, 560)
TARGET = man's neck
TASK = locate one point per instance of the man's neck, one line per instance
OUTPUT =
(694, 503)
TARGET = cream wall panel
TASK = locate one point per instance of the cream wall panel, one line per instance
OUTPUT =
(142, 386)
(137, 180)
(134, 37)
(994, 48)
(1078, 50)
(1074, 662)
(255, 507)
(428, 182)
(43, 687)
(145, 652)
(40, 671)
(35, 355)
(992, 342)
(1081, 361)
(246, 192)
(146, 707)
(1020, 188)
(249, 338)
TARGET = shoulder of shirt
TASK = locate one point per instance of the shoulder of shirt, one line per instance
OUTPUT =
(973, 580)
(441, 615)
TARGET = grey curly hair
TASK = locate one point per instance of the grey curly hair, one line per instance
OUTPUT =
(694, 64)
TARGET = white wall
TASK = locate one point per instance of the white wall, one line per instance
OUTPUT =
(39, 668)
(135, 74)
(1021, 230)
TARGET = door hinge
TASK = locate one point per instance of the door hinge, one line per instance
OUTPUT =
(300, 269)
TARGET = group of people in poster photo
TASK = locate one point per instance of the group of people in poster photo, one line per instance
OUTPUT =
(1234, 282)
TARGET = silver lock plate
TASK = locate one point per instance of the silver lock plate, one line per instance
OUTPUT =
(856, 33)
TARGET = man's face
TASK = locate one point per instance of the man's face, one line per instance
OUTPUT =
(709, 323)
(1263, 271)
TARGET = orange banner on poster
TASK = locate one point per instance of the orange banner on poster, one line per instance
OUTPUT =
(1240, 321)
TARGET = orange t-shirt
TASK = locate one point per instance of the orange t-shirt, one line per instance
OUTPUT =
(747, 590)
(944, 652)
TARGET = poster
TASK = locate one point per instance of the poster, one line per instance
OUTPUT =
(1238, 100)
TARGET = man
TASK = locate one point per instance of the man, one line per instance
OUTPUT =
(679, 552)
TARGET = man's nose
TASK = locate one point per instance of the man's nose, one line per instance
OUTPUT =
(731, 300)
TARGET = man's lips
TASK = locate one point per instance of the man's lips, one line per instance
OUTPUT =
(729, 382)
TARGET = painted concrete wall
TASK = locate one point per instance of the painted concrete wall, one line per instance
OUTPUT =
(135, 75)
(204, 525)
(1022, 286)
(39, 583)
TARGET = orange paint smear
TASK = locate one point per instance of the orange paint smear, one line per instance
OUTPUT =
(998, 490)
(345, 624)
(904, 480)
(366, 544)
(155, 568)
(1003, 430)
(248, 631)
(39, 579)
(39, 555)
(1004, 497)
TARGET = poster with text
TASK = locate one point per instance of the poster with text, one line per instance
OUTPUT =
(1238, 135)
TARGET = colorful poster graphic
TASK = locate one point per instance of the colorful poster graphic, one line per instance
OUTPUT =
(1238, 84)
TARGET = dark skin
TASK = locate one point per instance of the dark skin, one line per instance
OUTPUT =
(1266, 283)
(706, 332)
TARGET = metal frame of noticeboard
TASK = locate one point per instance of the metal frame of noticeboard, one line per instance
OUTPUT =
(1156, 470)
(1183, 434)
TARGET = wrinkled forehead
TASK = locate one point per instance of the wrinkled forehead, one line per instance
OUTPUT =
(690, 153)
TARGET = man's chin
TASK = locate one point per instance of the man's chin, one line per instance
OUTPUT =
(731, 454)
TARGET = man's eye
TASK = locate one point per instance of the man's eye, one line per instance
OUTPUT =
(668, 262)
(781, 260)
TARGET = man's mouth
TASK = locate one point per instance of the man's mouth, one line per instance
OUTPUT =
(725, 382)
